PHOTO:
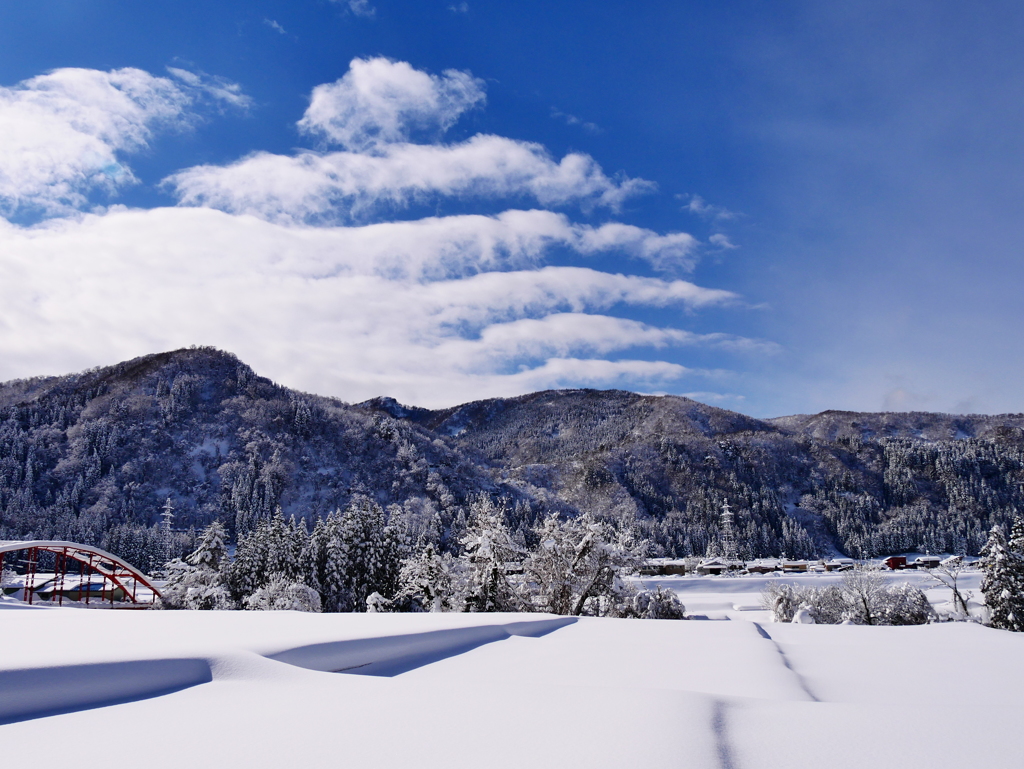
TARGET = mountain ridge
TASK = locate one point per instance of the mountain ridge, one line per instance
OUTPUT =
(101, 451)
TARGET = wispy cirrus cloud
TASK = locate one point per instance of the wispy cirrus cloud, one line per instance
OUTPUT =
(568, 119)
(219, 90)
(275, 26)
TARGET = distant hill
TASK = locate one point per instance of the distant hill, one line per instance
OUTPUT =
(920, 425)
(94, 456)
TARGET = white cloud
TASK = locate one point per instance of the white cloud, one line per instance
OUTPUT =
(379, 101)
(459, 8)
(373, 112)
(275, 26)
(268, 257)
(64, 132)
(560, 335)
(325, 309)
(666, 252)
(338, 185)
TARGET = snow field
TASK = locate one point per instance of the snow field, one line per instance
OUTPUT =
(460, 690)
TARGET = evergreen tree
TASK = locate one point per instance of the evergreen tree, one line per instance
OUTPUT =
(1003, 585)
(335, 592)
(489, 552)
(1016, 543)
(428, 582)
(247, 573)
(372, 554)
(212, 550)
(198, 582)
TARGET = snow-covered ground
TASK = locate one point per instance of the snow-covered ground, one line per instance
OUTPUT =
(228, 689)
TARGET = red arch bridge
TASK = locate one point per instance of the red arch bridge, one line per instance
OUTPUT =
(56, 572)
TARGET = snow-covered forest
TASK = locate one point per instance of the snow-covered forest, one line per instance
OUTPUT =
(355, 561)
(94, 458)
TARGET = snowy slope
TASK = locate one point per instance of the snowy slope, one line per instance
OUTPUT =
(505, 691)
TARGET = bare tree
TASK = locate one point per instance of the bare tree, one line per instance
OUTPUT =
(947, 573)
(864, 590)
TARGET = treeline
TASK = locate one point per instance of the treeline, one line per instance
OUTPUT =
(353, 560)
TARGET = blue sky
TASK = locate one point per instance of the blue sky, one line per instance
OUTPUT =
(775, 207)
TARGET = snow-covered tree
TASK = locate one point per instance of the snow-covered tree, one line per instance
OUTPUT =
(325, 563)
(429, 581)
(272, 550)
(864, 592)
(284, 594)
(489, 554)
(862, 598)
(782, 600)
(212, 549)
(378, 604)
(659, 603)
(1016, 543)
(248, 571)
(1003, 585)
(578, 565)
(373, 553)
(904, 604)
(351, 555)
(198, 582)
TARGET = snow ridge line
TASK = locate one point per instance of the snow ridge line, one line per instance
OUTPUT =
(786, 662)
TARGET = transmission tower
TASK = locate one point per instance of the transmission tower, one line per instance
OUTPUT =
(165, 527)
(728, 532)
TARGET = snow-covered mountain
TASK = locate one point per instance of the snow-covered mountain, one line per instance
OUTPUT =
(94, 457)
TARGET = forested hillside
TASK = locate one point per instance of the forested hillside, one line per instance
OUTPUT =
(93, 457)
